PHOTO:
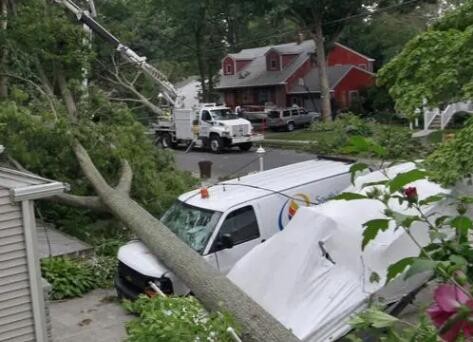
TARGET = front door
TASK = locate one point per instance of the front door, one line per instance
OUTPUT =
(205, 124)
(242, 226)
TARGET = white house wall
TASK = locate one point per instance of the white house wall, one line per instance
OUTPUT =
(16, 309)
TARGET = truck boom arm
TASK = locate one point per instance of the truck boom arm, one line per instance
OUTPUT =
(82, 16)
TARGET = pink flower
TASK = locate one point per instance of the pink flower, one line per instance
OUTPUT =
(411, 194)
(448, 300)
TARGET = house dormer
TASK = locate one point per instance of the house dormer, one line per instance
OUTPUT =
(228, 66)
(273, 60)
(288, 58)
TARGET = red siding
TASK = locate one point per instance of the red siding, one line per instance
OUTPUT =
(228, 66)
(342, 56)
(273, 62)
(303, 70)
(242, 63)
(355, 80)
(287, 59)
(229, 98)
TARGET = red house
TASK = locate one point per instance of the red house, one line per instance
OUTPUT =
(286, 74)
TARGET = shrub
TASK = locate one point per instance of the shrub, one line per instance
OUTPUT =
(397, 141)
(69, 278)
(75, 277)
(175, 319)
(347, 123)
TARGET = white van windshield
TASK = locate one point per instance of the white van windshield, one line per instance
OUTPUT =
(192, 225)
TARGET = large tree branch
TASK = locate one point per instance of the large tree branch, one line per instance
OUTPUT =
(213, 289)
(126, 177)
(86, 202)
(66, 93)
(130, 87)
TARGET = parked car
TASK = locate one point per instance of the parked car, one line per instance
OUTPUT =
(258, 119)
(235, 216)
(290, 118)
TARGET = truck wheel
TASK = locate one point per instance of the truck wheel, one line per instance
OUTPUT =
(245, 146)
(290, 126)
(216, 144)
(166, 140)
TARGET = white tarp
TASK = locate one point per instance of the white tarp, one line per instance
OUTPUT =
(313, 275)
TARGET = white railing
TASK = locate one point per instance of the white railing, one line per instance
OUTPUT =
(452, 109)
(447, 114)
(429, 116)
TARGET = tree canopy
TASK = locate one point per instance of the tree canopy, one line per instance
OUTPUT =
(435, 65)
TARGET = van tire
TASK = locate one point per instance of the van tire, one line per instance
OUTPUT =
(215, 144)
(245, 146)
(290, 126)
(166, 141)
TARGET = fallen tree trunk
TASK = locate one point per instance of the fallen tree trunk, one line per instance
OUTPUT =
(213, 289)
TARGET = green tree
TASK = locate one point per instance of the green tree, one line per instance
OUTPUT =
(435, 65)
(324, 20)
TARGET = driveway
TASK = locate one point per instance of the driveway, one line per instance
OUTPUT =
(95, 317)
(233, 163)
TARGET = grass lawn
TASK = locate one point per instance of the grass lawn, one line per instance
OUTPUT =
(301, 134)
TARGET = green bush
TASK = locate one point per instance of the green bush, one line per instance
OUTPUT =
(175, 319)
(452, 160)
(397, 142)
(69, 278)
(348, 123)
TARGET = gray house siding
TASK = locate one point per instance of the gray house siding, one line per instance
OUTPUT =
(16, 309)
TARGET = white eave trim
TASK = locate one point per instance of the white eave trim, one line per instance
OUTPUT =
(33, 192)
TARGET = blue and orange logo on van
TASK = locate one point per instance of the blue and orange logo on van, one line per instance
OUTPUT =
(290, 207)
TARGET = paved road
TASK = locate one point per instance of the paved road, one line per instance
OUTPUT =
(235, 162)
(96, 317)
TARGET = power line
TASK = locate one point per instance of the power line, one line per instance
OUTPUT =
(219, 48)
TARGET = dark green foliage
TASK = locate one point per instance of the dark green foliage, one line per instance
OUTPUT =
(69, 278)
(396, 141)
(75, 277)
(452, 161)
(435, 65)
(42, 145)
(176, 319)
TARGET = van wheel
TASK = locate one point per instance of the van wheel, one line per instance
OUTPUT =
(216, 144)
(290, 126)
(245, 146)
(166, 140)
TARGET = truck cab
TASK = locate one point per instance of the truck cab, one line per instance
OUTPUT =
(236, 216)
(220, 128)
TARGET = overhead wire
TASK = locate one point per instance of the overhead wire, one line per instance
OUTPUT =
(219, 48)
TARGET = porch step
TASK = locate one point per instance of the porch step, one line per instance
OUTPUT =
(436, 123)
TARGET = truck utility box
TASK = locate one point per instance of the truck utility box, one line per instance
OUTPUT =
(214, 127)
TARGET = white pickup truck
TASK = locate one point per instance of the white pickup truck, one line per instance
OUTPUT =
(215, 127)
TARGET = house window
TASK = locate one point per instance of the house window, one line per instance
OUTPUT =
(362, 66)
(228, 69)
(273, 64)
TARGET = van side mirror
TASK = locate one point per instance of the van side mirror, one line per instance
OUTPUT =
(226, 241)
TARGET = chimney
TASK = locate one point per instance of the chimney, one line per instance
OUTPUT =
(300, 38)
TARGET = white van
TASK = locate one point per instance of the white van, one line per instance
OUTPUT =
(236, 216)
